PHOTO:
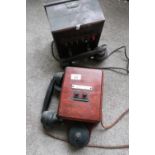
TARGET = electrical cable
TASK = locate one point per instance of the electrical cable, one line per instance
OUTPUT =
(124, 71)
(109, 146)
(105, 127)
(57, 59)
(116, 121)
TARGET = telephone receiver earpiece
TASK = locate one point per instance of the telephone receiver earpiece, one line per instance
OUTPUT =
(49, 119)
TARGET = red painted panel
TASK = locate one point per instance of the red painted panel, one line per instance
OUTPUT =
(80, 104)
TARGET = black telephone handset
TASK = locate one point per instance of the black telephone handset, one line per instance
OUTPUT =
(48, 118)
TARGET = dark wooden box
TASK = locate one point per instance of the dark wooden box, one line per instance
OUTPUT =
(76, 25)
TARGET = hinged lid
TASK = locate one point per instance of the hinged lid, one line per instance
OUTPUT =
(63, 14)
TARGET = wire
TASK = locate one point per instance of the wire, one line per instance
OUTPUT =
(91, 145)
(105, 127)
(109, 146)
(116, 121)
(120, 70)
(55, 137)
(57, 59)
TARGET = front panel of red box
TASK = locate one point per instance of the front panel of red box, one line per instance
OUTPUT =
(81, 95)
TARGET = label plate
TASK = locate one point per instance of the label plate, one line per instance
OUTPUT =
(75, 76)
(82, 87)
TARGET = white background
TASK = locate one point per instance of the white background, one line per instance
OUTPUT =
(13, 77)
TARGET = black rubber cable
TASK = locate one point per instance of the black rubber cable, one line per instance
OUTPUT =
(125, 71)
